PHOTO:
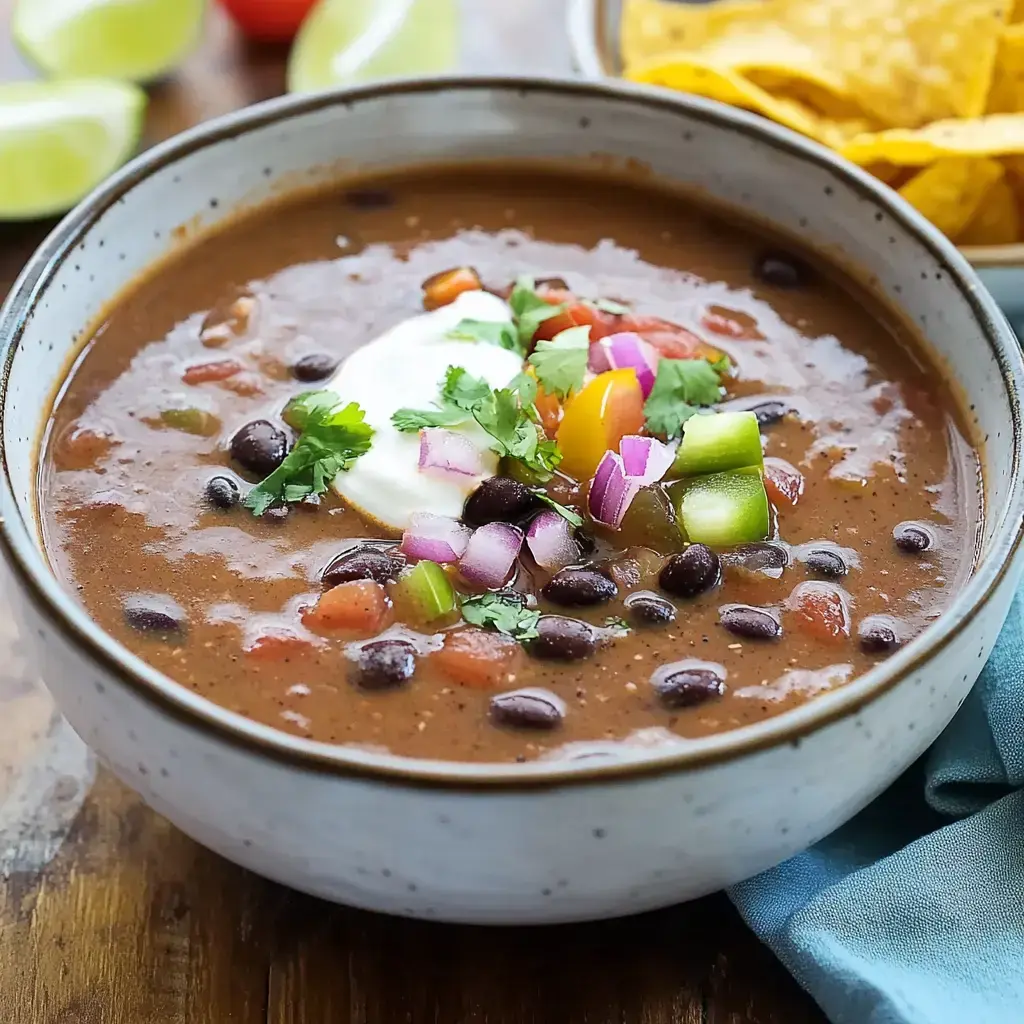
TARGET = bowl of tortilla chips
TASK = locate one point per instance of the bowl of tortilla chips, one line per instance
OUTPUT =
(927, 95)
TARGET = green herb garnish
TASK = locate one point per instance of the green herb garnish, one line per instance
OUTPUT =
(566, 513)
(507, 414)
(332, 437)
(681, 388)
(503, 612)
(617, 623)
(610, 306)
(502, 333)
(530, 310)
(561, 363)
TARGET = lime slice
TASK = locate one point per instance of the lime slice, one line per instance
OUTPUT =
(357, 40)
(136, 40)
(60, 139)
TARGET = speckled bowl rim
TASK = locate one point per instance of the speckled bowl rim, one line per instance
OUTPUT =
(22, 545)
(593, 58)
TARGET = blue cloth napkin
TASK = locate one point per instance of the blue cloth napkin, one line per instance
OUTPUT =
(913, 913)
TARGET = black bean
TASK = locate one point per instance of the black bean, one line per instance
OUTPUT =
(684, 684)
(499, 499)
(913, 538)
(562, 639)
(222, 492)
(878, 634)
(765, 558)
(370, 198)
(385, 664)
(769, 412)
(579, 587)
(754, 623)
(527, 709)
(692, 572)
(781, 270)
(648, 609)
(315, 366)
(826, 562)
(361, 563)
(154, 613)
(260, 447)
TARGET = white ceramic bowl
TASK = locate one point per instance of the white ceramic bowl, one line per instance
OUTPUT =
(594, 28)
(538, 842)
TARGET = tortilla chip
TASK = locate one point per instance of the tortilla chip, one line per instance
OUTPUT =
(903, 64)
(1007, 94)
(729, 87)
(997, 219)
(950, 192)
(995, 135)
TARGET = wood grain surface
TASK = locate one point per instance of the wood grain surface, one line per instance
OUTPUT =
(109, 915)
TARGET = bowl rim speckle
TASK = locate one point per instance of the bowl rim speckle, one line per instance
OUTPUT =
(22, 546)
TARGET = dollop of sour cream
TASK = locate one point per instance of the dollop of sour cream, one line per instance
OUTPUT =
(404, 368)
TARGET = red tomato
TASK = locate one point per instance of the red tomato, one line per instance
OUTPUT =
(783, 482)
(269, 21)
(819, 610)
(477, 658)
(221, 369)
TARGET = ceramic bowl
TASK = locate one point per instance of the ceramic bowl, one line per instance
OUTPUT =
(594, 32)
(504, 843)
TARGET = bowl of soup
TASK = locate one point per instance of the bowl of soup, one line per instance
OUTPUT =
(506, 500)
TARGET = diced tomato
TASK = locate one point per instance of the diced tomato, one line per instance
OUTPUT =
(478, 658)
(247, 385)
(361, 605)
(549, 408)
(218, 369)
(578, 315)
(596, 420)
(670, 340)
(446, 287)
(279, 645)
(268, 21)
(729, 323)
(820, 610)
(783, 482)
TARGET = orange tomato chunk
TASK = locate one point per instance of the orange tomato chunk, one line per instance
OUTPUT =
(219, 369)
(279, 645)
(820, 610)
(360, 605)
(783, 482)
(478, 658)
(596, 420)
(446, 287)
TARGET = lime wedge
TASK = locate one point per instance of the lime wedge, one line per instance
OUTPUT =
(135, 40)
(60, 139)
(358, 40)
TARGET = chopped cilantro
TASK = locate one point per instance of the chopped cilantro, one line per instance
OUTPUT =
(568, 514)
(616, 622)
(332, 437)
(506, 414)
(610, 306)
(502, 333)
(681, 388)
(530, 310)
(561, 363)
(506, 613)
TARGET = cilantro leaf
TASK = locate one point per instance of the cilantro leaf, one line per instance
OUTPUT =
(409, 420)
(566, 513)
(333, 437)
(501, 333)
(681, 387)
(461, 389)
(506, 613)
(530, 310)
(562, 362)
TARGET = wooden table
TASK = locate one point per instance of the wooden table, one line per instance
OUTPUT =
(109, 915)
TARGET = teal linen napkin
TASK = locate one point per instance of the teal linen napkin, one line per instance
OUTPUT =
(913, 912)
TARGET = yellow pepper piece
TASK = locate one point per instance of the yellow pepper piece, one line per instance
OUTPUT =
(597, 418)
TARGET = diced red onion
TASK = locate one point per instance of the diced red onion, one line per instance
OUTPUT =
(645, 459)
(491, 553)
(597, 359)
(447, 453)
(628, 351)
(436, 538)
(611, 491)
(551, 541)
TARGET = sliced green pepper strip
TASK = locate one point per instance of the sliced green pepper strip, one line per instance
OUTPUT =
(427, 587)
